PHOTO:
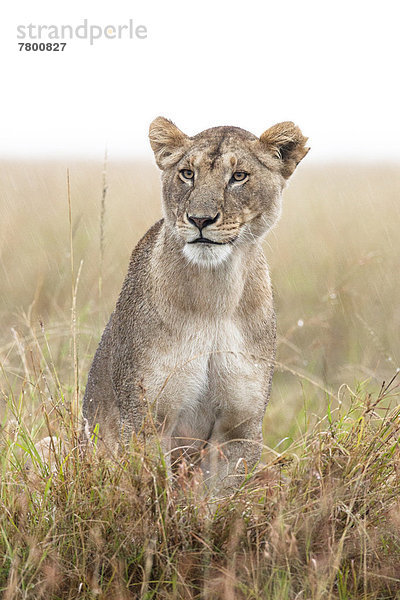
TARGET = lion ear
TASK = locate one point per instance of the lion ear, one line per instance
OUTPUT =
(167, 141)
(285, 142)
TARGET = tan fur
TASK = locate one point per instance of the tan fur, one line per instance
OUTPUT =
(193, 335)
(287, 143)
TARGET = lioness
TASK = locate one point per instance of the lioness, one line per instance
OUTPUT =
(192, 336)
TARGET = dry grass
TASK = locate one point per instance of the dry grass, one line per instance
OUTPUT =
(321, 520)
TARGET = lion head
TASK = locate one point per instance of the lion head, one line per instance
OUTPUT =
(221, 189)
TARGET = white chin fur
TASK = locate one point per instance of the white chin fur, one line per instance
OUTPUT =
(206, 255)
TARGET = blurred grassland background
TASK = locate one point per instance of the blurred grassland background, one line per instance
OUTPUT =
(334, 258)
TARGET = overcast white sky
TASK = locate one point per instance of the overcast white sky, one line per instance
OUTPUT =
(332, 67)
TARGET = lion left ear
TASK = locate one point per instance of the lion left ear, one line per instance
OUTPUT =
(285, 142)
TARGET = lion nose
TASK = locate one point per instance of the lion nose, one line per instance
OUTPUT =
(202, 222)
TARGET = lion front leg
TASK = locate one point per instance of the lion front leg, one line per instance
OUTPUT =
(234, 449)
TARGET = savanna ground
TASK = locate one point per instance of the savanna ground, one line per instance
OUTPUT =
(320, 520)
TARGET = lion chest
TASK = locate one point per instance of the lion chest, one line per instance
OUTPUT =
(181, 375)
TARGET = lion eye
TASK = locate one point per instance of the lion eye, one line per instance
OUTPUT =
(186, 174)
(240, 176)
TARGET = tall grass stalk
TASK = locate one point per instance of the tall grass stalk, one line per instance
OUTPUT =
(102, 221)
(74, 291)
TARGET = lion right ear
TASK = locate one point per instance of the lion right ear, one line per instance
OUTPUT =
(167, 141)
